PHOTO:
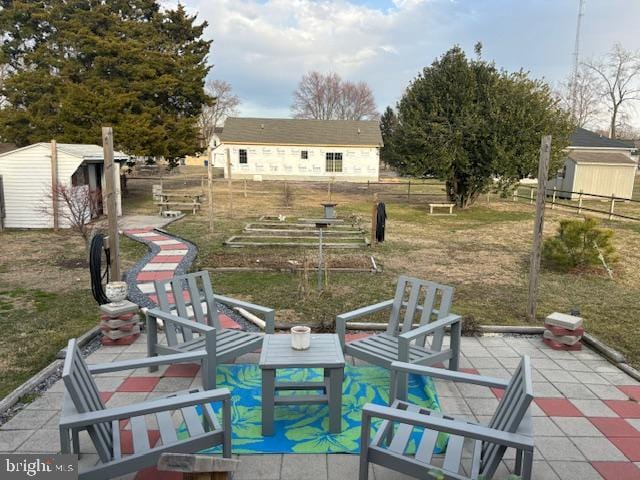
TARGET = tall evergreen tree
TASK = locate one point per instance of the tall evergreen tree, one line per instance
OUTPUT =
(388, 127)
(468, 123)
(81, 64)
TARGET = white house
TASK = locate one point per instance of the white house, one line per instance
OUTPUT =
(596, 165)
(278, 149)
(26, 179)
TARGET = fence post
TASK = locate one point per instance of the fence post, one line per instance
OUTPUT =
(245, 188)
(515, 194)
(409, 192)
(553, 199)
(580, 203)
(368, 185)
(531, 196)
(613, 203)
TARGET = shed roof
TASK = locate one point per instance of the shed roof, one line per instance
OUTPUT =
(84, 151)
(585, 138)
(287, 131)
(607, 157)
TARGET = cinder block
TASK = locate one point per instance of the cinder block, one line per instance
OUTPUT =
(563, 339)
(107, 342)
(560, 346)
(115, 310)
(570, 322)
(559, 331)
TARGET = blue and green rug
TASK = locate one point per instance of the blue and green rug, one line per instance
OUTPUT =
(305, 428)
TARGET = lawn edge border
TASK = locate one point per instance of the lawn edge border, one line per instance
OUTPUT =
(12, 398)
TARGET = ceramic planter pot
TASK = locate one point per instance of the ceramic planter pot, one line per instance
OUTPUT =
(116, 291)
(300, 338)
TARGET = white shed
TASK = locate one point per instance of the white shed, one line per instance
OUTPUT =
(596, 165)
(26, 180)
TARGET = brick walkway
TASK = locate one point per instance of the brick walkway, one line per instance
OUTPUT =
(586, 414)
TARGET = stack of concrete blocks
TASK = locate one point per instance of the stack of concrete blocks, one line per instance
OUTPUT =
(563, 332)
(120, 323)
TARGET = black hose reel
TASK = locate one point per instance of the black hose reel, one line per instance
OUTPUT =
(99, 261)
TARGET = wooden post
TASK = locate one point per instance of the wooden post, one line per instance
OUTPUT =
(329, 190)
(112, 204)
(229, 184)
(553, 199)
(374, 220)
(531, 196)
(515, 194)
(534, 270)
(245, 188)
(54, 185)
(613, 203)
(580, 203)
(409, 192)
(210, 188)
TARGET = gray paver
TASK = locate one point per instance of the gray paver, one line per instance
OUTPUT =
(546, 389)
(575, 471)
(577, 427)
(304, 467)
(382, 473)
(120, 399)
(591, 378)
(173, 384)
(11, 439)
(544, 363)
(575, 391)
(341, 466)
(47, 401)
(558, 376)
(544, 427)
(482, 406)
(599, 449)
(543, 471)
(42, 441)
(607, 392)
(594, 408)
(259, 466)
(29, 419)
(484, 362)
(559, 448)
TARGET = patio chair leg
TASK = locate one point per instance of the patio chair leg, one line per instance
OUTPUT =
(226, 420)
(65, 441)
(456, 331)
(527, 465)
(364, 448)
(152, 340)
(209, 362)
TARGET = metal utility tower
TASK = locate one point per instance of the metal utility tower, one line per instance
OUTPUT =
(576, 58)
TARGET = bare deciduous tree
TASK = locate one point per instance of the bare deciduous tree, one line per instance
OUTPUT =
(328, 97)
(619, 80)
(581, 97)
(225, 104)
(76, 207)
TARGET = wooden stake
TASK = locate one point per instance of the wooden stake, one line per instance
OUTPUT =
(210, 188)
(329, 189)
(54, 185)
(245, 188)
(534, 270)
(112, 204)
(553, 199)
(612, 205)
(580, 203)
(229, 183)
(409, 192)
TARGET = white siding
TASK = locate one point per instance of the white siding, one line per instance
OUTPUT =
(605, 179)
(26, 176)
(285, 161)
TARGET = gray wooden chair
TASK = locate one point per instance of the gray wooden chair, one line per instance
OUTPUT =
(83, 409)
(187, 307)
(510, 426)
(416, 301)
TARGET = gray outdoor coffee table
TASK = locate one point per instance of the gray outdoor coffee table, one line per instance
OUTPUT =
(325, 352)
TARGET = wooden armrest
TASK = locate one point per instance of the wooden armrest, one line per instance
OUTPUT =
(184, 322)
(430, 327)
(454, 427)
(145, 408)
(449, 375)
(148, 362)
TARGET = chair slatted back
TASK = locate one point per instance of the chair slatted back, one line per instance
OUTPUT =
(413, 297)
(509, 415)
(185, 294)
(86, 398)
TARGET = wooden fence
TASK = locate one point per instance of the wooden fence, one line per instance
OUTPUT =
(553, 198)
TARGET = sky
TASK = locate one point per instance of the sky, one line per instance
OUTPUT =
(263, 47)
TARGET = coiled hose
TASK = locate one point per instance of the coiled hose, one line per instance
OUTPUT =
(95, 267)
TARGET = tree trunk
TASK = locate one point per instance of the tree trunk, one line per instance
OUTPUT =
(614, 118)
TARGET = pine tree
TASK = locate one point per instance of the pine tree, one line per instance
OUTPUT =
(388, 127)
(78, 65)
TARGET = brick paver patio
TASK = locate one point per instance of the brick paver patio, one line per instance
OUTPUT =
(586, 414)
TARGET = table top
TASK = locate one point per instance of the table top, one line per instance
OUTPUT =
(325, 352)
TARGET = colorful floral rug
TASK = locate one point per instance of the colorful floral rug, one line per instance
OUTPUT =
(304, 428)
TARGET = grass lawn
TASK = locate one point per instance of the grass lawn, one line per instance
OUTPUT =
(483, 252)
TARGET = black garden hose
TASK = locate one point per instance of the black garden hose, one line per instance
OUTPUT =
(95, 267)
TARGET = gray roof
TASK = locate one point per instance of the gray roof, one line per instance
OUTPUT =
(281, 131)
(588, 139)
(88, 151)
(607, 157)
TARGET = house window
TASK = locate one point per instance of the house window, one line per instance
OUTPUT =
(304, 154)
(333, 162)
(243, 155)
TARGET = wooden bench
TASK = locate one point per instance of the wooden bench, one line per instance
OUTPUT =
(441, 205)
(194, 206)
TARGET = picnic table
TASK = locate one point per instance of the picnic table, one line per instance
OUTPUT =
(167, 200)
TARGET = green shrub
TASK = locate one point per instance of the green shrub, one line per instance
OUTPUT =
(575, 245)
